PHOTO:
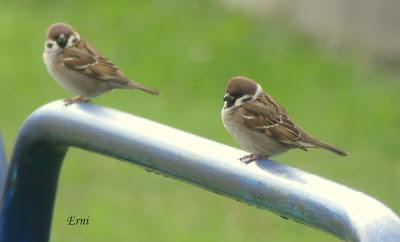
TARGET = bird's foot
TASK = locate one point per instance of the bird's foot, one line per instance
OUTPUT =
(77, 99)
(247, 159)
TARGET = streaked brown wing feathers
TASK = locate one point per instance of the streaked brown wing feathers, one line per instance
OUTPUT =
(266, 116)
(88, 61)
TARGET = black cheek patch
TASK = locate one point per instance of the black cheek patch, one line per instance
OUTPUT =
(49, 45)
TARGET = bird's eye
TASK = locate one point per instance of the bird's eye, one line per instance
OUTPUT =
(49, 45)
(74, 40)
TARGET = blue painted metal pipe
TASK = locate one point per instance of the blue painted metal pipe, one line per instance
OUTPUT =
(3, 166)
(27, 204)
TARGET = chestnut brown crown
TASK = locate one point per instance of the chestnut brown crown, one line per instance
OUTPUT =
(56, 30)
(240, 85)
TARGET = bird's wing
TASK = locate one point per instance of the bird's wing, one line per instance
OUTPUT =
(266, 116)
(86, 60)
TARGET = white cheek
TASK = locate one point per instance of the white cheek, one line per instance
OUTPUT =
(73, 40)
(70, 42)
(50, 46)
(238, 102)
(244, 99)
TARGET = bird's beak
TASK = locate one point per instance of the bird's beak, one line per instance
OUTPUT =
(228, 98)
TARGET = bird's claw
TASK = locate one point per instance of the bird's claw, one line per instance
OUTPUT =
(77, 99)
(247, 159)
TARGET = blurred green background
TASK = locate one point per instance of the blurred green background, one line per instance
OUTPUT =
(188, 50)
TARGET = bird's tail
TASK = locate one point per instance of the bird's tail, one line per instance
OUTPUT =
(137, 85)
(309, 142)
(330, 148)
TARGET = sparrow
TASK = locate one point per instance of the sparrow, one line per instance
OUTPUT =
(80, 68)
(261, 125)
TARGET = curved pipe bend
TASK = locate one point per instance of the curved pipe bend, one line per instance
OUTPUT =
(27, 204)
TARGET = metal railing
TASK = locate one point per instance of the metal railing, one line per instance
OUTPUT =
(3, 166)
(27, 203)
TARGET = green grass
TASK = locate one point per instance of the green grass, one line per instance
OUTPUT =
(188, 50)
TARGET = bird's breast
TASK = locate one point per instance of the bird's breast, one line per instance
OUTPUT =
(72, 80)
(251, 140)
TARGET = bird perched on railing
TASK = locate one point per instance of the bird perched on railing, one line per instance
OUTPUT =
(262, 126)
(81, 69)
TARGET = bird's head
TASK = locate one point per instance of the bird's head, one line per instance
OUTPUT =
(60, 36)
(240, 90)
